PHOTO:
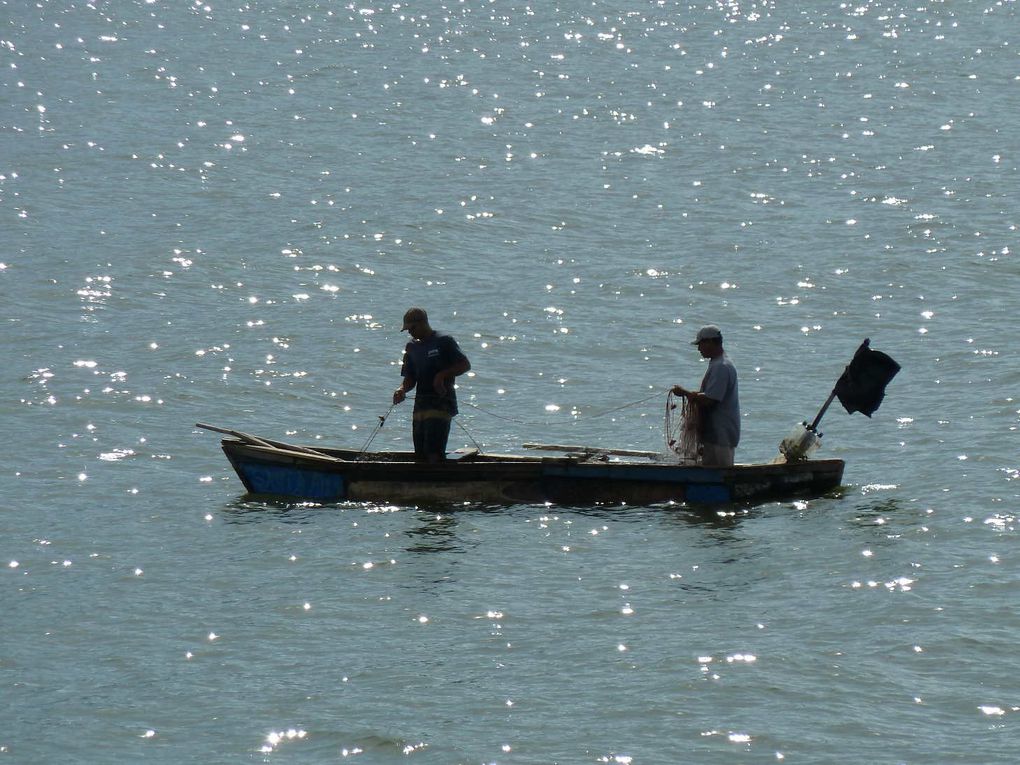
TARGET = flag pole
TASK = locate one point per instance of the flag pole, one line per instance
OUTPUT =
(813, 427)
(860, 388)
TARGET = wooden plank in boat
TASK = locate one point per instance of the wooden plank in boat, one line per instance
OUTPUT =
(592, 450)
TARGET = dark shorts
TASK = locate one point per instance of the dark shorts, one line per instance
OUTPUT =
(430, 430)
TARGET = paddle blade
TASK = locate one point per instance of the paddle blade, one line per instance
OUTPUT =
(861, 388)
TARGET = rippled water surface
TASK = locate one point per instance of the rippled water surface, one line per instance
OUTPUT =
(219, 213)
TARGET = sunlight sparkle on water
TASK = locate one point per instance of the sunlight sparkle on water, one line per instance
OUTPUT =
(748, 658)
(275, 738)
(116, 454)
(901, 584)
(992, 711)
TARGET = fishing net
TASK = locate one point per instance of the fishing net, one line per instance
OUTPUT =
(682, 428)
(799, 444)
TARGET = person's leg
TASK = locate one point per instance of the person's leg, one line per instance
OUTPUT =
(439, 436)
(418, 435)
(435, 432)
(714, 455)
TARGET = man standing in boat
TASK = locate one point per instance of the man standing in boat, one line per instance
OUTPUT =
(718, 407)
(431, 362)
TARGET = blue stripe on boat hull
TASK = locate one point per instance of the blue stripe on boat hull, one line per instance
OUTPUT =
(657, 483)
(289, 481)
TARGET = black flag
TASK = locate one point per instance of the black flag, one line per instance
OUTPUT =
(861, 387)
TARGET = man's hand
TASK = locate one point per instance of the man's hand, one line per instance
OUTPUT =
(399, 395)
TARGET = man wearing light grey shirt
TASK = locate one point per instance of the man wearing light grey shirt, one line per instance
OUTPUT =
(717, 401)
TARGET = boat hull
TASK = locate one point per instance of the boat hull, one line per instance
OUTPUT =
(333, 475)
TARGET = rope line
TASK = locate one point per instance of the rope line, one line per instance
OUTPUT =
(375, 432)
(467, 432)
(674, 441)
(573, 420)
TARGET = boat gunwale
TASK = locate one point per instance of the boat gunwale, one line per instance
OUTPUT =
(333, 456)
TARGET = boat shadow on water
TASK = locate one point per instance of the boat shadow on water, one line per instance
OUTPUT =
(248, 509)
(439, 515)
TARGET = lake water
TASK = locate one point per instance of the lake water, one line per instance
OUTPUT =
(219, 213)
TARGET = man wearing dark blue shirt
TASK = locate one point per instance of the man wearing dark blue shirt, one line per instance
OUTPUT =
(431, 362)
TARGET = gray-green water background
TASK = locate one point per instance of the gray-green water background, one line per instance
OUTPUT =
(218, 212)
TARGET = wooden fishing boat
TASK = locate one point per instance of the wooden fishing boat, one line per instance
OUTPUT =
(576, 476)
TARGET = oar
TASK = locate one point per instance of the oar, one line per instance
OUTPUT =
(247, 438)
(256, 441)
